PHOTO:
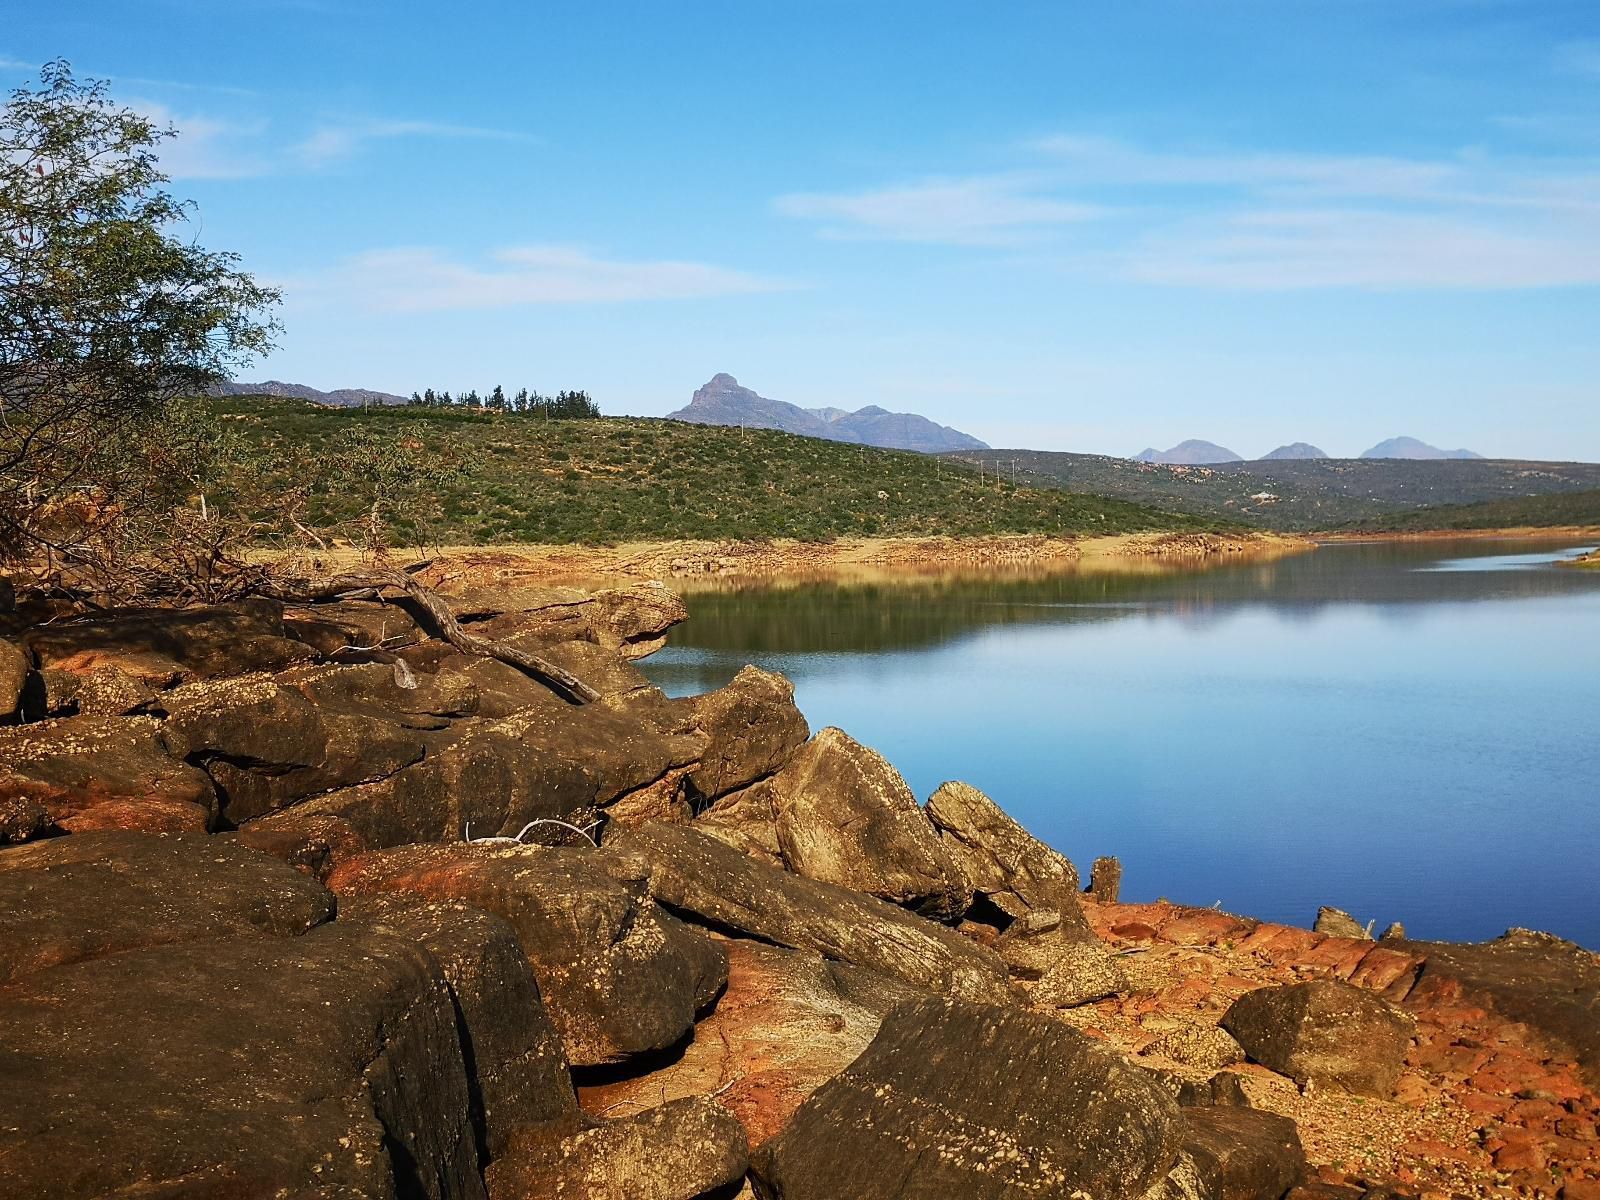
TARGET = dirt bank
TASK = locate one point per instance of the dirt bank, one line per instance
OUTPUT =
(1520, 533)
(686, 562)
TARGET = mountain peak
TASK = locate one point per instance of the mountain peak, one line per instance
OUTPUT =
(723, 401)
(1410, 447)
(1297, 450)
(1193, 452)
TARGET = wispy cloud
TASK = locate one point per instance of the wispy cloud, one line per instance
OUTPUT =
(342, 139)
(1223, 218)
(975, 211)
(16, 64)
(422, 279)
(207, 147)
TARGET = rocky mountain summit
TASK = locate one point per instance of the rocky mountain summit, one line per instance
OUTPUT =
(1410, 447)
(338, 398)
(305, 900)
(722, 401)
(1191, 453)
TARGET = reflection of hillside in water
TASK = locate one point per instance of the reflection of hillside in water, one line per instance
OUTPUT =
(862, 617)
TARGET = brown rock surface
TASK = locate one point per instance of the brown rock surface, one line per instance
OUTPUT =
(93, 894)
(715, 883)
(1232, 1153)
(325, 1065)
(954, 1099)
(518, 1070)
(618, 975)
(14, 669)
(1326, 1033)
(70, 766)
(679, 1150)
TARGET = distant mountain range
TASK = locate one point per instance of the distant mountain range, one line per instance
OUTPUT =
(339, 398)
(1195, 452)
(722, 401)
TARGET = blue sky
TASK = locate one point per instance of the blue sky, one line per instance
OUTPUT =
(1070, 226)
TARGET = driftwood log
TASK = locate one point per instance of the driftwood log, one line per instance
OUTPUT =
(305, 591)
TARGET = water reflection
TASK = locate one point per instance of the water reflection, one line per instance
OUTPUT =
(1346, 726)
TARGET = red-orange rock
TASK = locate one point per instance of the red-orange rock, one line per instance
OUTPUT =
(1203, 929)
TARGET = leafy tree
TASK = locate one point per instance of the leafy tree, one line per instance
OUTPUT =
(108, 315)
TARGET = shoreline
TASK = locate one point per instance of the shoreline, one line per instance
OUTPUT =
(682, 563)
(1509, 533)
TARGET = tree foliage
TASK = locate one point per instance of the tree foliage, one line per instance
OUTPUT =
(108, 317)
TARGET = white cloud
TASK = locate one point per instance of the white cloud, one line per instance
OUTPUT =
(1352, 248)
(981, 211)
(421, 279)
(344, 138)
(1260, 220)
(206, 147)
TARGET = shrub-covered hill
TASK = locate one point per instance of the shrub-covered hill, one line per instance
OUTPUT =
(1537, 512)
(625, 479)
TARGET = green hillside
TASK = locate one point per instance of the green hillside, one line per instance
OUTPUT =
(1300, 495)
(1570, 508)
(624, 479)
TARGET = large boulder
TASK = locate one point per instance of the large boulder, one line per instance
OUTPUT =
(1233, 1153)
(266, 744)
(680, 1150)
(751, 726)
(496, 776)
(104, 772)
(747, 820)
(845, 816)
(326, 1065)
(518, 1073)
(618, 975)
(94, 894)
(161, 647)
(713, 882)
(954, 1099)
(788, 1022)
(631, 621)
(1324, 1033)
(1001, 860)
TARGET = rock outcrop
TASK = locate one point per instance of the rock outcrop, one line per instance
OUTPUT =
(717, 884)
(1001, 860)
(618, 975)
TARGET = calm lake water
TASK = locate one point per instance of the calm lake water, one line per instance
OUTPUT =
(1407, 731)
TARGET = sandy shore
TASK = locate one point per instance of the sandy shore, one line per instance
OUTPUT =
(686, 563)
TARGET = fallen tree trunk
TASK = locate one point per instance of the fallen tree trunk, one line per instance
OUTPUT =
(562, 682)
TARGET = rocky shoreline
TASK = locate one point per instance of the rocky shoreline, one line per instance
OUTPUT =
(306, 902)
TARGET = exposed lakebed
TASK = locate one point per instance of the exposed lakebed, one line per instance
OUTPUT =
(1408, 730)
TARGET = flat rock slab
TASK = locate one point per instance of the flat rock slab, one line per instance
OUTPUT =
(954, 1099)
(1542, 981)
(694, 873)
(680, 1150)
(618, 975)
(94, 894)
(1325, 1033)
(241, 1067)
